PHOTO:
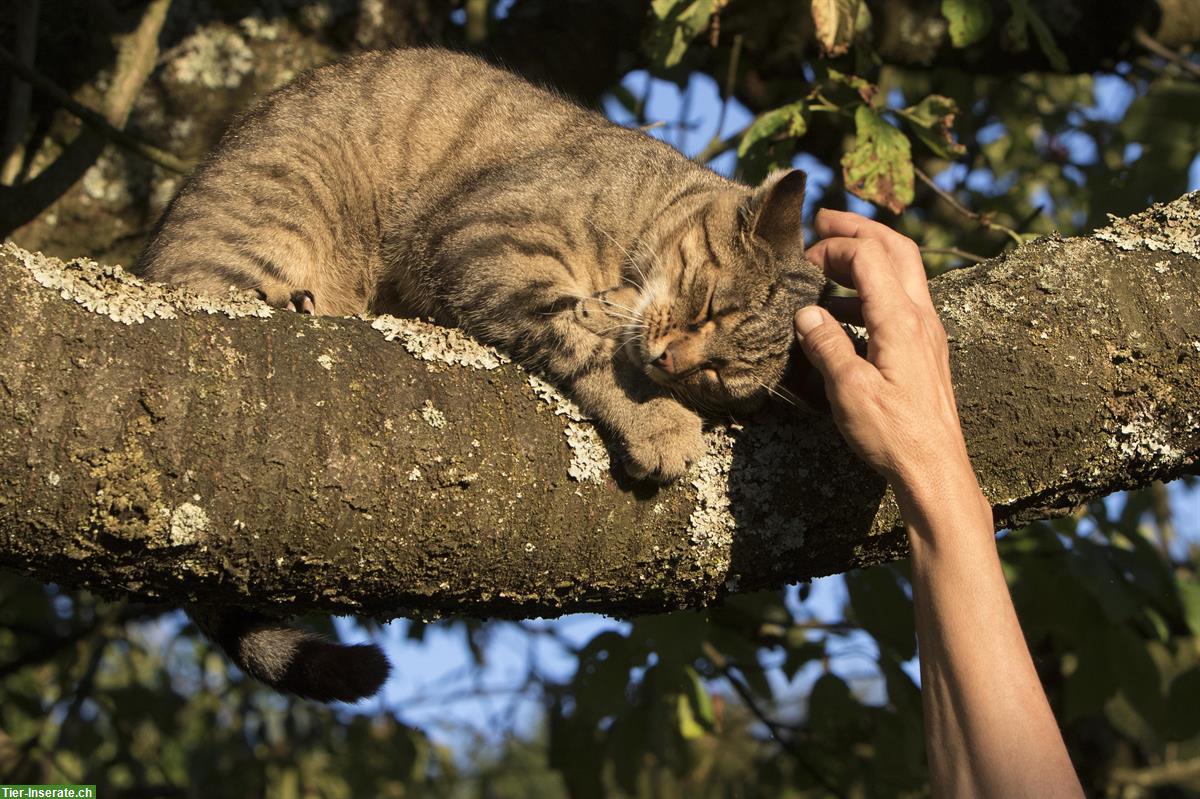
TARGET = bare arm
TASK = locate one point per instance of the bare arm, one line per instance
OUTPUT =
(989, 731)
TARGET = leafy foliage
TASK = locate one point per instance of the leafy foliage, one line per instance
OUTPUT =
(878, 167)
(970, 20)
(770, 695)
(680, 21)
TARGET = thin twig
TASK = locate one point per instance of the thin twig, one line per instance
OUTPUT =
(722, 665)
(1160, 505)
(682, 126)
(718, 147)
(982, 219)
(1032, 215)
(20, 95)
(1169, 773)
(51, 646)
(92, 118)
(1162, 51)
(955, 251)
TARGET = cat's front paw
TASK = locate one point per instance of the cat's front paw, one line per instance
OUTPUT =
(664, 443)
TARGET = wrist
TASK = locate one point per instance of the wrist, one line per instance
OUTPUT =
(946, 497)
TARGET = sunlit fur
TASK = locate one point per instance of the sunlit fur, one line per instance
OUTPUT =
(717, 295)
(428, 183)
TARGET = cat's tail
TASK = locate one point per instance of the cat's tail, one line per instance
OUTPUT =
(293, 660)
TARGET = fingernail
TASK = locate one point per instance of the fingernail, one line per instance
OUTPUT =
(807, 319)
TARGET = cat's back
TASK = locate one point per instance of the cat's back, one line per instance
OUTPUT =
(411, 110)
(374, 153)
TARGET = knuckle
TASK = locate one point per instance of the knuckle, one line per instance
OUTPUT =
(871, 249)
(819, 342)
(855, 381)
(909, 248)
(856, 391)
(822, 341)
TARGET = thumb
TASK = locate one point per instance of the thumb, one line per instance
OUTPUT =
(824, 342)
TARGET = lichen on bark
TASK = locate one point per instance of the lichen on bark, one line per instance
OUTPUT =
(206, 450)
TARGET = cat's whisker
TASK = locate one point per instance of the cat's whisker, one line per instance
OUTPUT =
(629, 319)
(628, 255)
(654, 256)
(789, 400)
(617, 326)
(694, 400)
(602, 301)
(621, 306)
(641, 274)
(789, 393)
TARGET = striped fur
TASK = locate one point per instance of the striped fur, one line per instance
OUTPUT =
(424, 182)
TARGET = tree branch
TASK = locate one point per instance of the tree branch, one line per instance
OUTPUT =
(206, 453)
(95, 119)
(137, 53)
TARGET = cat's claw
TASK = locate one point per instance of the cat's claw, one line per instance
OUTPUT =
(302, 302)
(665, 444)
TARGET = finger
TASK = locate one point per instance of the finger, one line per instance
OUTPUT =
(892, 320)
(865, 266)
(904, 252)
(844, 309)
(827, 346)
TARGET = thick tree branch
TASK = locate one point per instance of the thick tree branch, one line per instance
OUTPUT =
(207, 453)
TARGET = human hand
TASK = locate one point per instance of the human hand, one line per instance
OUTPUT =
(895, 407)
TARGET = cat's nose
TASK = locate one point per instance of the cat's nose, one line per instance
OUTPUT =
(666, 361)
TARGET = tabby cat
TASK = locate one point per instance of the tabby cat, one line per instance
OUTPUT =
(424, 182)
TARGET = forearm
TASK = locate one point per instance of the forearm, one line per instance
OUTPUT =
(989, 730)
(988, 727)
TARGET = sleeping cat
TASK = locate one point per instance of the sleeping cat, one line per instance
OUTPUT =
(423, 182)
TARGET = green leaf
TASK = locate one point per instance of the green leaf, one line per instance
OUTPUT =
(602, 678)
(878, 167)
(1023, 17)
(1088, 681)
(631, 741)
(832, 709)
(868, 91)
(689, 728)
(1094, 567)
(1189, 596)
(1182, 720)
(837, 22)
(698, 701)
(800, 653)
(880, 605)
(970, 20)
(662, 8)
(790, 120)
(903, 694)
(1138, 678)
(932, 120)
(678, 22)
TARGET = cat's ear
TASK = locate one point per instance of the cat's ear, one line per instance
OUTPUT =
(773, 212)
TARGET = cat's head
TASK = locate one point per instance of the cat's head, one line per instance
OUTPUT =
(713, 313)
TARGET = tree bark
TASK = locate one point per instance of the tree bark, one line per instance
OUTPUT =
(204, 449)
